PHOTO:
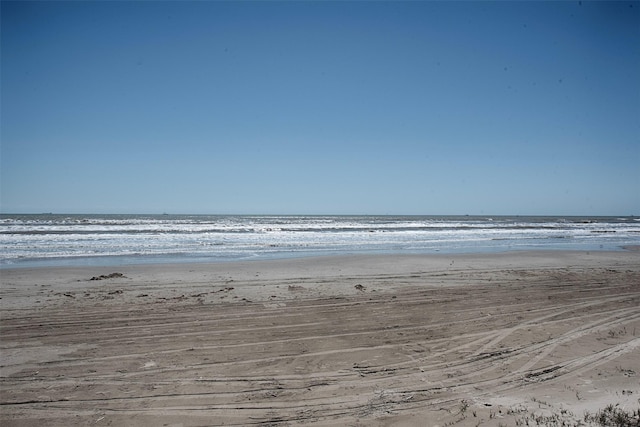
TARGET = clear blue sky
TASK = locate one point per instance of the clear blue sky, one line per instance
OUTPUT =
(321, 107)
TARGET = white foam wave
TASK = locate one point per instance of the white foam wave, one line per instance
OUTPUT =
(224, 237)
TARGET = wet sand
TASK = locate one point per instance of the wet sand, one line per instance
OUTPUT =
(464, 340)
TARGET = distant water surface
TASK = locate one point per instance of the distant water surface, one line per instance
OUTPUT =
(51, 239)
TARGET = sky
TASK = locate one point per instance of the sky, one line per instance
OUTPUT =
(513, 108)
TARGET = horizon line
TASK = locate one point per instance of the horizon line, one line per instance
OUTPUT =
(322, 214)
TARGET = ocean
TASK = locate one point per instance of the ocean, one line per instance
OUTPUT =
(75, 240)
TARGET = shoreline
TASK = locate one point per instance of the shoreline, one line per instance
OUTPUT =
(457, 339)
(395, 261)
(112, 261)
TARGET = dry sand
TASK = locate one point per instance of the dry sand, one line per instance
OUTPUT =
(448, 340)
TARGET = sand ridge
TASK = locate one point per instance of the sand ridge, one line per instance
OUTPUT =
(465, 340)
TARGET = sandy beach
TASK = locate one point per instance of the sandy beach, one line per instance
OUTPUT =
(521, 338)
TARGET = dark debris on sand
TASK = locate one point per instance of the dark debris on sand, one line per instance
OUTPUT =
(108, 276)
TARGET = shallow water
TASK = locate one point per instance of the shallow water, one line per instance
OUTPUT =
(48, 239)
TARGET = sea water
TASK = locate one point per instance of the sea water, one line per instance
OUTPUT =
(51, 239)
